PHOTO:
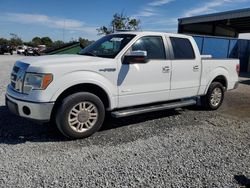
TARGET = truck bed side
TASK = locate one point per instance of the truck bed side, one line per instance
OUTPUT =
(212, 68)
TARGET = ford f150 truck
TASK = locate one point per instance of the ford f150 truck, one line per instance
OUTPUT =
(123, 74)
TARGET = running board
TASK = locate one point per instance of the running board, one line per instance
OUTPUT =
(153, 108)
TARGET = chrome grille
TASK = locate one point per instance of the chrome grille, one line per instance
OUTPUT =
(17, 76)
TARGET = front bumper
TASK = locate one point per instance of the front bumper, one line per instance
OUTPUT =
(30, 110)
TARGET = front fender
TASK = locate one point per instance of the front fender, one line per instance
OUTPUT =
(81, 77)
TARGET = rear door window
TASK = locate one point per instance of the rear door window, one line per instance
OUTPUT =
(182, 48)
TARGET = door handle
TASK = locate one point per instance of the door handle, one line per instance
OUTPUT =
(196, 67)
(166, 69)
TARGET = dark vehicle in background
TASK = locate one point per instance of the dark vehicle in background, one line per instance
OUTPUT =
(6, 49)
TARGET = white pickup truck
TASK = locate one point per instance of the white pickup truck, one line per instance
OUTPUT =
(124, 74)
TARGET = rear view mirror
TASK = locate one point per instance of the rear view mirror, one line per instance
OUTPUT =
(135, 57)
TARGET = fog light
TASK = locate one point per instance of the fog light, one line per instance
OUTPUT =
(26, 110)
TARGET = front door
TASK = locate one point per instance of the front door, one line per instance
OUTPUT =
(144, 83)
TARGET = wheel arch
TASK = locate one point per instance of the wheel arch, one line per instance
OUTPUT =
(83, 87)
(221, 79)
(218, 78)
(219, 74)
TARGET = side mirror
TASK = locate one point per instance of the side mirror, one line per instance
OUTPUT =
(135, 57)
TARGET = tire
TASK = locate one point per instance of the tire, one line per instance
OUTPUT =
(80, 115)
(214, 97)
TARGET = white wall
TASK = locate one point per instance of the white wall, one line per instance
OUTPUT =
(244, 36)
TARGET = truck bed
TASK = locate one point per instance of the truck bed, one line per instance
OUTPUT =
(213, 67)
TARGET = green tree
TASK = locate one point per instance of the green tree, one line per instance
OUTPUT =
(104, 30)
(15, 40)
(46, 41)
(84, 42)
(133, 24)
(120, 22)
(57, 43)
(36, 41)
(3, 41)
(30, 43)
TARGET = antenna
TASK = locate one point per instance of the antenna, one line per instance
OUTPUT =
(64, 31)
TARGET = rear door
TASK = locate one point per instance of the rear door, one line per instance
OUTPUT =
(186, 69)
(143, 83)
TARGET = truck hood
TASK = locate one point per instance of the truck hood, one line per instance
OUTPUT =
(60, 60)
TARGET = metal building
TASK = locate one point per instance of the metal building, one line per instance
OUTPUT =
(226, 24)
(217, 34)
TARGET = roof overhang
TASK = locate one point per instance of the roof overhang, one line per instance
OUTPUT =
(228, 24)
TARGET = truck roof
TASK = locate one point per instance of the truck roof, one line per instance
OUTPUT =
(153, 33)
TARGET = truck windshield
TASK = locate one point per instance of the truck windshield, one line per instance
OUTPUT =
(108, 46)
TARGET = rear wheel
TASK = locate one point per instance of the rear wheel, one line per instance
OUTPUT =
(80, 115)
(214, 97)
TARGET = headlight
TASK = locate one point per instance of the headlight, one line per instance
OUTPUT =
(37, 81)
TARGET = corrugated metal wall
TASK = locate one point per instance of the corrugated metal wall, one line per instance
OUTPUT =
(226, 48)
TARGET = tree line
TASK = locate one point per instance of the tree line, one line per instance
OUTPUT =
(17, 41)
(118, 22)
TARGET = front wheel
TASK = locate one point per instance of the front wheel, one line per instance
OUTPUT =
(80, 115)
(214, 97)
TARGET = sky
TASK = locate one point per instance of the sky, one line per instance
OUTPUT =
(68, 20)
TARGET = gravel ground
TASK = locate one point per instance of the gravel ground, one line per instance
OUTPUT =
(174, 148)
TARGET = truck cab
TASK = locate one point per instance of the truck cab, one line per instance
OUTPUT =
(125, 74)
